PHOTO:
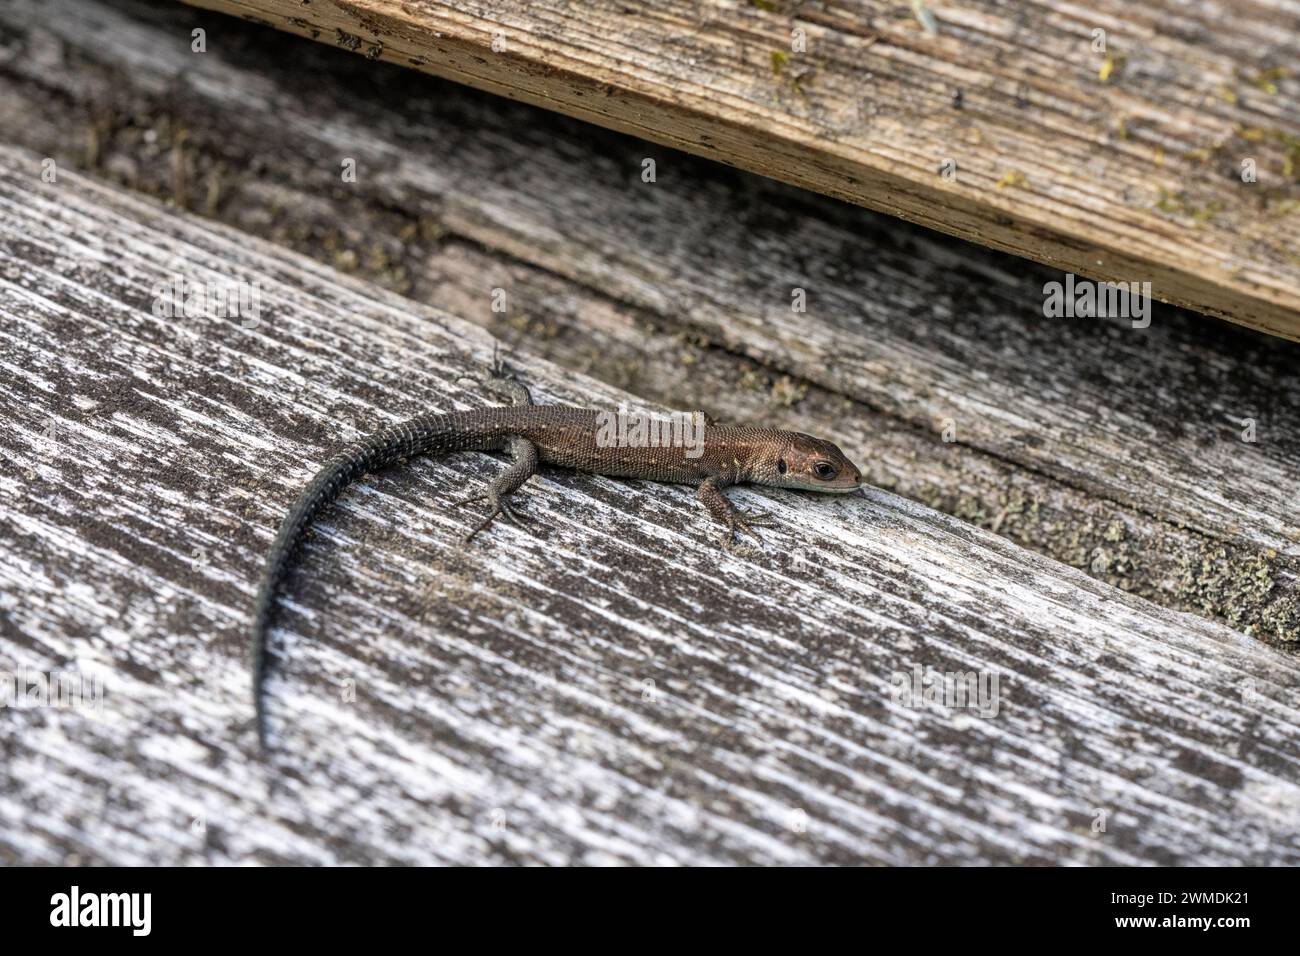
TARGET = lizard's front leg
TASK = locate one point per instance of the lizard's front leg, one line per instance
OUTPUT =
(523, 465)
(724, 512)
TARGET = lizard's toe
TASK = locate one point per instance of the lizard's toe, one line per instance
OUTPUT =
(737, 527)
(758, 519)
(509, 512)
(477, 528)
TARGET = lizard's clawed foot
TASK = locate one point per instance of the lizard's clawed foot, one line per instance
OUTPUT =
(499, 507)
(758, 519)
(738, 545)
(498, 371)
(742, 522)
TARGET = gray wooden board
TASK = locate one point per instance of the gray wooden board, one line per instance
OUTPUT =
(1006, 128)
(1116, 450)
(614, 688)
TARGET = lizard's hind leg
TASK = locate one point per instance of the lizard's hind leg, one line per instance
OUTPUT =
(523, 465)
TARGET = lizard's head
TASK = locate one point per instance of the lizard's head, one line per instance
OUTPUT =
(810, 464)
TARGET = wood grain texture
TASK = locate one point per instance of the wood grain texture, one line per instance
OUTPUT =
(613, 690)
(1115, 450)
(1137, 177)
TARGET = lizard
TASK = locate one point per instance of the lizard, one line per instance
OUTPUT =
(567, 437)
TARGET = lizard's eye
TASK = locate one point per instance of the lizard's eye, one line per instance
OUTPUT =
(824, 470)
(780, 466)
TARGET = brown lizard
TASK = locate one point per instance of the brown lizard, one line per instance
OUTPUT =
(577, 438)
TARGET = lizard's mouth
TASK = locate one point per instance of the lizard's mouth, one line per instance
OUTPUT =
(838, 486)
(840, 490)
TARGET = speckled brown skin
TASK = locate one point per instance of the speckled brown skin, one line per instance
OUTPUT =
(568, 437)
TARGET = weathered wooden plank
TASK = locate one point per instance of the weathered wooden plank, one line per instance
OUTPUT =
(1125, 165)
(1139, 478)
(614, 689)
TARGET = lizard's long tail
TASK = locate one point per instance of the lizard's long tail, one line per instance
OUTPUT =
(419, 435)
